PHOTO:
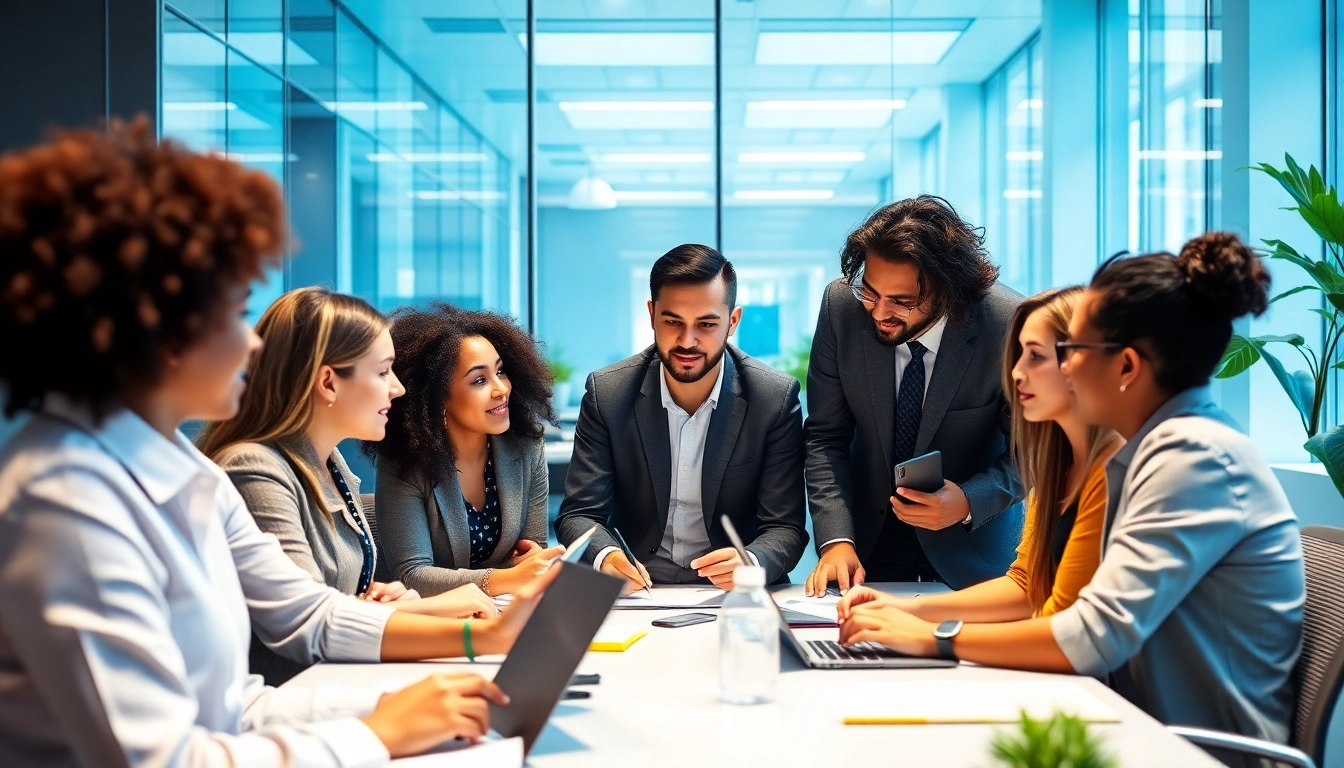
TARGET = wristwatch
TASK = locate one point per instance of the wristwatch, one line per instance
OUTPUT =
(944, 633)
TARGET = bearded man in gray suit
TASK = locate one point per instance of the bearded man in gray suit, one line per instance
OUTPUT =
(908, 358)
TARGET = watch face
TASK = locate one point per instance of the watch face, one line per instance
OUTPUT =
(948, 629)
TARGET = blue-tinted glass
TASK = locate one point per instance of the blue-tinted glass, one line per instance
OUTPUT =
(625, 163)
(256, 137)
(195, 105)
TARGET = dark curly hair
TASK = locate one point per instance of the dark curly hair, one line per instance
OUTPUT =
(114, 248)
(428, 343)
(954, 269)
(1179, 309)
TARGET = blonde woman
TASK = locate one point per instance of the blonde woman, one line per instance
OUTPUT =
(323, 375)
(1062, 462)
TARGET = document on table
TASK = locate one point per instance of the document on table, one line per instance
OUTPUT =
(919, 702)
(491, 753)
(820, 607)
(672, 597)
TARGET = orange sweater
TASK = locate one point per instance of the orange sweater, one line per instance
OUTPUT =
(1082, 552)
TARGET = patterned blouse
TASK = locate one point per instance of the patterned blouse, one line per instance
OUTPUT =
(484, 524)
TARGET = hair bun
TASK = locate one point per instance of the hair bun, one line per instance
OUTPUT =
(1225, 275)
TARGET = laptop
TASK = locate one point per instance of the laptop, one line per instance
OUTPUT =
(829, 654)
(549, 649)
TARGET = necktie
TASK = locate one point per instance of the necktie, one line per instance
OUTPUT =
(910, 403)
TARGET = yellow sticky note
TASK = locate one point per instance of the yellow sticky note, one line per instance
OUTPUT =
(616, 639)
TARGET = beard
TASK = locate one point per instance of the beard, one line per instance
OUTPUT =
(695, 374)
(905, 332)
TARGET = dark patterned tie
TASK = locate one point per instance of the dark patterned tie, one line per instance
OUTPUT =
(910, 403)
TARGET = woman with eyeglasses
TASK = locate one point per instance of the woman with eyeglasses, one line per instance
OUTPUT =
(131, 574)
(1196, 608)
(1062, 462)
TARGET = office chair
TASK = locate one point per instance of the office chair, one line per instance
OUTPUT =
(1320, 668)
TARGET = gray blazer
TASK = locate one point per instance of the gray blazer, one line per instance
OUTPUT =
(621, 472)
(331, 554)
(851, 403)
(423, 522)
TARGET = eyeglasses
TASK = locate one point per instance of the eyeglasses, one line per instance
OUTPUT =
(869, 299)
(1063, 348)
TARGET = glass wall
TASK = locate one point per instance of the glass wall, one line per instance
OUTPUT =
(1014, 155)
(396, 191)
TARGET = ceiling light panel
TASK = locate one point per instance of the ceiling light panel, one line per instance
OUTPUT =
(864, 48)
(829, 113)
(625, 49)
(639, 115)
(823, 158)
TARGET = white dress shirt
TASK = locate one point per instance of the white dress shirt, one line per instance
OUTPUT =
(685, 538)
(931, 339)
(130, 577)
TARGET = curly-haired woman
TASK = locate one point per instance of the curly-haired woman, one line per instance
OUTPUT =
(462, 476)
(131, 574)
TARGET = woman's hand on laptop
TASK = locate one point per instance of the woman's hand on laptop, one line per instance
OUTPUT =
(878, 621)
(464, 602)
(440, 707)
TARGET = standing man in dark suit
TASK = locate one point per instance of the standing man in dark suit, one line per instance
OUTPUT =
(907, 359)
(683, 432)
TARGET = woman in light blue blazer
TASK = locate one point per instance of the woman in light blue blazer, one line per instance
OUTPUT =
(462, 478)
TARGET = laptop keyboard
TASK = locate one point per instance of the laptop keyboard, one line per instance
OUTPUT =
(862, 652)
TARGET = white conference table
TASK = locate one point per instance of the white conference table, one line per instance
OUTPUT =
(658, 705)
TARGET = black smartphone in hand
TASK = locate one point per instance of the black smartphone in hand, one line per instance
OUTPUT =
(922, 473)
(684, 620)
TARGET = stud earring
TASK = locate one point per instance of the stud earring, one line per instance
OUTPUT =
(1122, 387)
(333, 402)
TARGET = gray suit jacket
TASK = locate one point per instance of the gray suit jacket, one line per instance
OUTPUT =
(331, 554)
(851, 402)
(423, 522)
(621, 471)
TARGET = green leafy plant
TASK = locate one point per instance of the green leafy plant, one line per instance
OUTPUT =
(1318, 205)
(560, 368)
(1063, 741)
(795, 361)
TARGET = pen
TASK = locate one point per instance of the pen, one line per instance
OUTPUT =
(626, 549)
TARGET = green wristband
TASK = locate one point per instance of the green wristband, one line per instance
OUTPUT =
(466, 640)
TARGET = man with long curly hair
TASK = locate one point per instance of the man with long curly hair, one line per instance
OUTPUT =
(906, 360)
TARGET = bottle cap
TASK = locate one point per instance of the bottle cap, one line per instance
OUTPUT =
(749, 576)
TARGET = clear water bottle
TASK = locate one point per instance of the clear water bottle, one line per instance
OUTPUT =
(748, 640)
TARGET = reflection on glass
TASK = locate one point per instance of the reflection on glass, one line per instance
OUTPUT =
(625, 163)
(1171, 150)
(195, 105)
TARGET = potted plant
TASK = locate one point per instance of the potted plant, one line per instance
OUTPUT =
(795, 362)
(562, 372)
(1319, 206)
(1063, 741)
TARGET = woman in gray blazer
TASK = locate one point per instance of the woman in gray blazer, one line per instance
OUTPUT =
(462, 478)
(324, 374)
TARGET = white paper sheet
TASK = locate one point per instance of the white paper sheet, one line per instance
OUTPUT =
(968, 701)
(672, 597)
(491, 753)
(821, 607)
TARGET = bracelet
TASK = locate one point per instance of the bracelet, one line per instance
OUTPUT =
(466, 640)
(485, 581)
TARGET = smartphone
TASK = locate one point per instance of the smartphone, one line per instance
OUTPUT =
(684, 620)
(922, 473)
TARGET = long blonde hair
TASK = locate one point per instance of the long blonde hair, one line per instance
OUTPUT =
(1041, 450)
(302, 331)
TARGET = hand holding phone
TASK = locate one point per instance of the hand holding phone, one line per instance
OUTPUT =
(922, 473)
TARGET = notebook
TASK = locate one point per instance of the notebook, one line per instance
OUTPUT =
(947, 700)
(616, 638)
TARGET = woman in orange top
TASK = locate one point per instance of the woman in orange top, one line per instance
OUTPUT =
(1063, 466)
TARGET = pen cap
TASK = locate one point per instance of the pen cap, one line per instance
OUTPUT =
(749, 577)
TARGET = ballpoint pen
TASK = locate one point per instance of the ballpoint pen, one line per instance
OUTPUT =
(630, 555)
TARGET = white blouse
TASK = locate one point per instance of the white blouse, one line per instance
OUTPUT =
(131, 578)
